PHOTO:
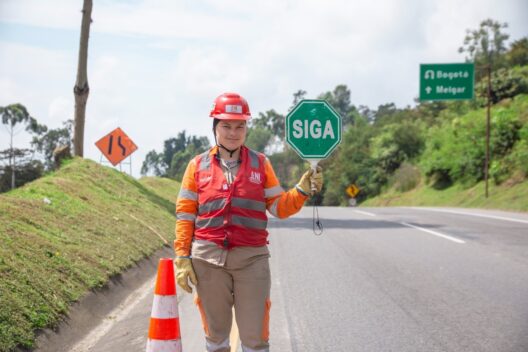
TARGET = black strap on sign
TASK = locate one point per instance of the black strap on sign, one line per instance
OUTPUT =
(316, 222)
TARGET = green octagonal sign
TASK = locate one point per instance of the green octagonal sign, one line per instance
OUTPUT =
(313, 129)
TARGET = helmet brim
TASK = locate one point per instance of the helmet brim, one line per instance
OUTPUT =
(241, 117)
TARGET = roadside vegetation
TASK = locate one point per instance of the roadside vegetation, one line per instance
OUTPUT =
(436, 146)
(509, 196)
(70, 232)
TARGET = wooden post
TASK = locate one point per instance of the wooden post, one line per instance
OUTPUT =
(81, 88)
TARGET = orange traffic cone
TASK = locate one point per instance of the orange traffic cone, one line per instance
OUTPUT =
(164, 330)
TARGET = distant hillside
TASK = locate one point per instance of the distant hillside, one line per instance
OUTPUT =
(450, 170)
(69, 232)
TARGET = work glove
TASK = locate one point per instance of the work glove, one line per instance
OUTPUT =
(311, 183)
(185, 271)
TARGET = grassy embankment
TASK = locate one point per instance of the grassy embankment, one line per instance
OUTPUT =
(508, 196)
(97, 223)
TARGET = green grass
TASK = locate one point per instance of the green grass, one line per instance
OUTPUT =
(165, 188)
(99, 223)
(508, 196)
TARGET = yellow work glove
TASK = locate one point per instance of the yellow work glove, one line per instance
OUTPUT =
(185, 271)
(311, 182)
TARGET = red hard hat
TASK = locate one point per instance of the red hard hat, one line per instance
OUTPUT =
(230, 106)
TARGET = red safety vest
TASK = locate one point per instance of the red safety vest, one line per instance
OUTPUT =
(231, 215)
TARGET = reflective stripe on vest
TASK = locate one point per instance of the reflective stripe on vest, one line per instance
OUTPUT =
(249, 222)
(212, 205)
(254, 159)
(205, 161)
(203, 223)
(248, 204)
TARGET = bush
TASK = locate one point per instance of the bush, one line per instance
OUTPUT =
(505, 83)
(519, 154)
(405, 178)
(505, 126)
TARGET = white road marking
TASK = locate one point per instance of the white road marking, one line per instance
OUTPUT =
(450, 238)
(118, 314)
(364, 213)
(473, 214)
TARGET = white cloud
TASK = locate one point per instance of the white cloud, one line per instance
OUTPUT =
(60, 109)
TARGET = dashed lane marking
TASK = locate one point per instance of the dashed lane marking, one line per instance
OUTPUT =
(364, 213)
(474, 214)
(450, 238)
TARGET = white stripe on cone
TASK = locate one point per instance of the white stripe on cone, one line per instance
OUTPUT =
(165, 307)
(164, 345)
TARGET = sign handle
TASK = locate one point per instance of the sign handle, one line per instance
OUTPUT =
(313, 165)
(317, 225)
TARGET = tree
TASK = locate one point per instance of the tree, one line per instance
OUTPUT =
(26, 170)
(13, 115)
(365, 112)
(154, 161)
(47, 142)
(339, 98)
(485, 46)
(81, 88)
(396, 143)
(518, 54)
(163, 164)
(258, 138)
(173, 145)
(297, 97)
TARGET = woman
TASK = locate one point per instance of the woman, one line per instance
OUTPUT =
(221, 237)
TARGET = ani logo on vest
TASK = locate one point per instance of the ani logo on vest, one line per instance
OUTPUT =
(255, 177)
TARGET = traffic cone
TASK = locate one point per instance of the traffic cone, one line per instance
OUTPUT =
(164, 330)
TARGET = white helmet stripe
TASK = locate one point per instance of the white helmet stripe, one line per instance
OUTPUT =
(237, 109)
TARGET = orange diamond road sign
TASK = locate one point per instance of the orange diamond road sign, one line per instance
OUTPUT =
(352, 190)
(116, 146)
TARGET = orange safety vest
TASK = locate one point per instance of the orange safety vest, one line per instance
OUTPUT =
(235, 214)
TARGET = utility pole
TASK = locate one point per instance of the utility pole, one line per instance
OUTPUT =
(488, 123)
(12, 159)
(81, 88)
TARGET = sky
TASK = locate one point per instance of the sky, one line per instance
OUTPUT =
(156, 66)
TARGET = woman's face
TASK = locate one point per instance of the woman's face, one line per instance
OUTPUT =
(231, 133)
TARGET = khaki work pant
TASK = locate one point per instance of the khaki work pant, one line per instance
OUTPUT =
(243, 282)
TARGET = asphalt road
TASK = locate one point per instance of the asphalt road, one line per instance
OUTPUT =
(378, 279)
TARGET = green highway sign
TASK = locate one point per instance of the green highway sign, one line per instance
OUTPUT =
(447, 81)
(313, 129)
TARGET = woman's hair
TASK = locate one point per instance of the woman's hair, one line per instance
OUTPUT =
(215, 123)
